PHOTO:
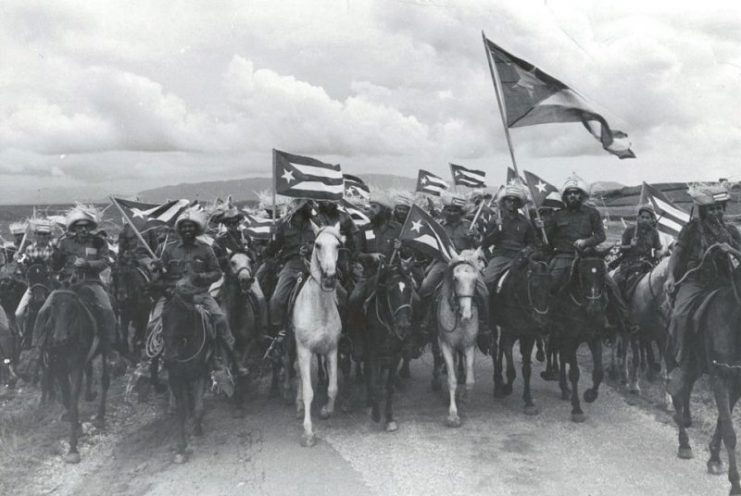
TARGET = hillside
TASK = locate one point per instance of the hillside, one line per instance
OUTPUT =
(245, 189)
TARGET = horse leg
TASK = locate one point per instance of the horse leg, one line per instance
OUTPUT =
(721, 389)
(372, 374)
(274, 379)
(526, 350)
(470, 356)
(685, 450)
(562, 384)
(551, 366)
(449, 356)
(105, 383)
(73, 456)
(321, 381)
(714, 464)
(577, 415)
(287, 371)
(199, 387)
(511, 373)
(391, 425)
(304, 366)
(177, 388)
(404, 372)
(437, 362)
(498, 359)
(540, 354)
(328, 409)
(359, 372)
(634, 386)
(595, 346)
(90, 395)
(346, 367)
(460, 372)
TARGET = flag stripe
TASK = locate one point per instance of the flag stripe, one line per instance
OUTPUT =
(667, 209)
(312, 170)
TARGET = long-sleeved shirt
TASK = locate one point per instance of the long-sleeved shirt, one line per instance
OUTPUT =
(94, 250)
(516, 233)
(566, 226)
(181, 259)
(292, 233)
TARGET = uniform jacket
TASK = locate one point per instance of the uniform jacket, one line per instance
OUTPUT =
(195, 259)
(566, 226)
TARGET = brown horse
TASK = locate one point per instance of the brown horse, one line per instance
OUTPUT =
(578, 316)
(521, 310)
(66, 332)
(130, 289)
(716, 350)
(187, 348)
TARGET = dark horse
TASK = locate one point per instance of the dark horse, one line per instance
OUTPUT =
(388, 313)
(40, 284)
(187, 348)
(130, 283)
(521, 310)
(240, 311)
(716, 350)
(66, 332)
(578, 316)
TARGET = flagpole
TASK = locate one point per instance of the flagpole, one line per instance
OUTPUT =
(476, 217)
(501, 104)
(136, 231)
(275, 186)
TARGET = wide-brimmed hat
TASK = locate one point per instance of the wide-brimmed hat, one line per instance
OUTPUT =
(575, 182)
(41, 226)
(514, 190)
(194, 214)
(646, 207)
(552, 200)
(82, 213)
(708, 194)
(17, 227)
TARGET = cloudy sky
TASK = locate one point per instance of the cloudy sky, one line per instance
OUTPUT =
(99, 97)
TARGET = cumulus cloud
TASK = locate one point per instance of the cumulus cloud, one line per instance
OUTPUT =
(172, 91)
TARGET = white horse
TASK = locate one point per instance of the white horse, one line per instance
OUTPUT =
(458, 321)
(317, 325)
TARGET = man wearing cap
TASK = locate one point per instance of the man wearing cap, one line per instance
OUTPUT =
(233, 241)
(698, 278)
(38, 252)
(81, 256)
(190, 264)
(513, 238)
(18, 230)
(640, 248)
(579, 227)
(376, 244)
(293, 242)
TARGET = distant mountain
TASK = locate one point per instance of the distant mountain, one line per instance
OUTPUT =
(246, 189)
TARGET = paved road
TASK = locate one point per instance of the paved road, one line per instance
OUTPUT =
(619, 450)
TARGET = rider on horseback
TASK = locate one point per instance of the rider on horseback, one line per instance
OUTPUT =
(233, 241)
(580, 227)
(293, 242)
(39, 252)
(463, 238)
(82, 256)
(191, 265)
(641, 247)
(378, 242)
(701, 270)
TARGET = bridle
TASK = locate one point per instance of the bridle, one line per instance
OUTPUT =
(390, 327)
(338, 237)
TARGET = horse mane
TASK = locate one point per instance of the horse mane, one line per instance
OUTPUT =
(78, 317)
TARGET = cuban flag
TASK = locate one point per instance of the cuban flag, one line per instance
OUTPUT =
(670, 219)
(357, 215)
(463, 176)
(257, 227)
(305, 177)
(356, 187)
(145, 215)
(429, 183)
(421, 231)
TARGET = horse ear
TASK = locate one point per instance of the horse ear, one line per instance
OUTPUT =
(314, 227)
(337, 226)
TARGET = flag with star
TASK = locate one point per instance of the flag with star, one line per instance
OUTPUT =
(146, 215)
(531, 97)
(513, 178)
(670, 219)
(463, 176)
(356, 214)
(306, 177)
(421, 231)
(355, 187)
(429, 183)
(539, 189)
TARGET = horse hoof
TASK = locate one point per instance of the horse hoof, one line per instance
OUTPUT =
(531, 410)
(180, 458)
(590, 395)
(72, 458)
(507, 389)
(635, 390)
(308, 440)
(687, 423)
(540, 356)
(324, 413)
(392, 427)
(453, 422)
(437, 385)
(685, 453)
(716, 468)
(578, 418)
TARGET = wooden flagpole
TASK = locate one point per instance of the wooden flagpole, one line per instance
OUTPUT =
(275, 187)
(503, 114)
(136, 231)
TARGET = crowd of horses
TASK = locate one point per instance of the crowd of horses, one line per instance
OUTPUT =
(524, 306)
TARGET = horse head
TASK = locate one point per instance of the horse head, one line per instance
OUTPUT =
(39, 282)
(395, 289)
(324, 256)
(63, 318)
(240, 268)
(538, 289)
(590, 273)
(464, 270)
